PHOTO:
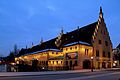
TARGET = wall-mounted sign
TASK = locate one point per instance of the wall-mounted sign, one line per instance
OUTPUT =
(73, 55)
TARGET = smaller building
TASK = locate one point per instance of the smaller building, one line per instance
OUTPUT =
(51, 59)
(78, 55)
(116, 56)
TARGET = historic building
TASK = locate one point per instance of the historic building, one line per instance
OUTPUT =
(82, 48)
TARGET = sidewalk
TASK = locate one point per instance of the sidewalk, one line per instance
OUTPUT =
(10, 74)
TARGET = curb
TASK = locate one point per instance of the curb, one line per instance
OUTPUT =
(9, 74)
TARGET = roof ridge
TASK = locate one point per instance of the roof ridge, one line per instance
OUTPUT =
(82, 27)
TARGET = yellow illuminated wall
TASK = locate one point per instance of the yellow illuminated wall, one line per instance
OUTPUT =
(84, 52)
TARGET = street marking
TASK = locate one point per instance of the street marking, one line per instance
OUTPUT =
(93, 76)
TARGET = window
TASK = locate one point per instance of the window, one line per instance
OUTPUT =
(100, 42)
(71, 48)
(86, 51)
(53, 62)
(52, 52)
(106, 43)
(104, 54)
(97, 53)
(75, 47)
(66, 49)
(56, 52)
(61, 62)
(57, 62)
(109, 55)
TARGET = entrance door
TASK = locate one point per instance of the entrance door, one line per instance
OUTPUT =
(86, 64)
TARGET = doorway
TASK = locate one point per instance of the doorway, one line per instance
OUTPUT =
(86, 64)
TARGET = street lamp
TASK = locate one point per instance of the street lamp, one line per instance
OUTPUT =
(92, 63)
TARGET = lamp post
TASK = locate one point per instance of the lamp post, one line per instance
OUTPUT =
(92, 63)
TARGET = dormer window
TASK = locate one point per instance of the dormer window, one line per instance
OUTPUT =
(52, 52)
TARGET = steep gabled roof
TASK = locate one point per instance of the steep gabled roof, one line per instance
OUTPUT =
(83, 34)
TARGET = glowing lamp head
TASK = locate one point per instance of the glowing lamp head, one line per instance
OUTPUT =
(115, 61)
(92, 57)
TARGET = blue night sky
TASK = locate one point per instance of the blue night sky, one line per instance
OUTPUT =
(25, 21)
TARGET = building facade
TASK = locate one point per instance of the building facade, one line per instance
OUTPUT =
(83, 48)
(116, 56)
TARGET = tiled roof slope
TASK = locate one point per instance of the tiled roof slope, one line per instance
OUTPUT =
(118, 46)
(83, 34)
(45, 45)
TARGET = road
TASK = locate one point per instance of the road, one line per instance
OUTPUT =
(99, 75)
